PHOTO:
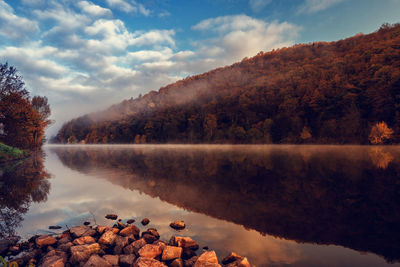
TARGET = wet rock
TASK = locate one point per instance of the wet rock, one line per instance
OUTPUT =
(54, 227)
(145, 221)
(112, 259)
(82, 253)
(207, 259)
(64, 238)
(176, 263)
(86, 223)
(178, 225)
(111, 216)
(134, 246)
(161, 243)
(81, 230)
(150, 251)
(149, 238)
(108, 238)
(171, 252)
(120, 225)
(127, 260)
(84, 240)
(130, 230)
(243, 262)
(187, 253)
(190, 262)
(205, 247)
(102, 229)
(65, 247)
(45, 240)
(130, 221)
(153, 232)
(184, 242)
(231, 258)
(120, 243)
(148, 262)
(54, 258)
(97, 261)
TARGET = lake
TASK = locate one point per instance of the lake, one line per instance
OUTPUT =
(278, 205)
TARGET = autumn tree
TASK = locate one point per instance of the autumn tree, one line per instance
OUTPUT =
(380, 132)
(23, 120)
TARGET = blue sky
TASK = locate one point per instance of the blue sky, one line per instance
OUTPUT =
(87, 55)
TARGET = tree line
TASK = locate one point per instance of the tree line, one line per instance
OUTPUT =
(346, 91)
(23, 119)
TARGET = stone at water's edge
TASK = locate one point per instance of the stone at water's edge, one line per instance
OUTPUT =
(84, 246)
(207, 259)
(150, 251)
(45, 240)
(171, 252)
(82, 230)
(145, 221)
(108, 238)
(97, 261)
(178, 225)
(82, 253)
(54, 227)
(130, 221)
(111, 216)
(148, 262)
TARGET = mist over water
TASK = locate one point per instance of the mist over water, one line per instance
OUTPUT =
(277, 205)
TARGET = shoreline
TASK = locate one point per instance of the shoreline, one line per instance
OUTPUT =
(123, 244)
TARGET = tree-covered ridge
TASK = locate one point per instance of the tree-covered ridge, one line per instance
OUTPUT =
(322, 92)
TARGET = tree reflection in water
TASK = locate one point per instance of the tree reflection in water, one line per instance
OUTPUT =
(343, 195)
(21, 183)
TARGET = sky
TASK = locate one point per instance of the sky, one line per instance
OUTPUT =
(87, 55)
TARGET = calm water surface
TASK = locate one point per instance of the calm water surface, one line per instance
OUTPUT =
(277, 205)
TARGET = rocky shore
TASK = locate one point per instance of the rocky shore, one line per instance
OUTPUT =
(120, 245)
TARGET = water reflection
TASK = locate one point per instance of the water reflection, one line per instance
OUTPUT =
(21, 182)
(347, 196)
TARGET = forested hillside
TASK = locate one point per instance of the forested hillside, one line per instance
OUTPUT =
(337, 92)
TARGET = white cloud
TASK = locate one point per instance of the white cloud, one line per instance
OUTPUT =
(258, 5)
(94, 10)
(242, 36)
(312, 6)
(15, 27)
(128, 7)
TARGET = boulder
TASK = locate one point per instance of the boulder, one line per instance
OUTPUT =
(145, 221)
(190, 262)
(54, 258)
(184, 242)
(148, 262)
(176, 263)
(178, 225)
(134, 246)
(150, 239)
(54, 227)
(153, 232)
(150, 251)
(120, 243)
(45, 240)
(64, 239)
(207, 259)
(108, 238)
(97, 261)
(127, 260)
(84, 240)
(82, 253)
(81, 230)
(112, 259)
(65, 247)
(171, 252)
(242, 262)
(111, 216)
(130, 230)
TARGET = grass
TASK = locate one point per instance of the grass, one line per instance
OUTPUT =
(8, 153)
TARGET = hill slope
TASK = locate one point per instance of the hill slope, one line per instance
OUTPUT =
(320, 92)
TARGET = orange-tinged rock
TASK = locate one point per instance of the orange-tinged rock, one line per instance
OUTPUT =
(150, 251)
